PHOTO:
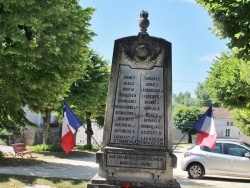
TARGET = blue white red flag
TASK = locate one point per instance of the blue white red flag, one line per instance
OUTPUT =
(69, 127)
(206, 129)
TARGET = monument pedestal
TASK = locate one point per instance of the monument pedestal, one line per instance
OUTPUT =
(137, 168)
(137, 137)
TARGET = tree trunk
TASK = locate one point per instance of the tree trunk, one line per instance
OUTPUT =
(46, 130)
(89, 130)
(189, 138)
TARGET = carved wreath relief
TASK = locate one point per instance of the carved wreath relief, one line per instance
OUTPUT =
(140, 54)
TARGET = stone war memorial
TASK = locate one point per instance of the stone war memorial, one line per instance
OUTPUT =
(136, 150)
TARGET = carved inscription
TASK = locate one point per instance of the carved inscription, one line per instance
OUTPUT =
(138, 117)
(136, 161)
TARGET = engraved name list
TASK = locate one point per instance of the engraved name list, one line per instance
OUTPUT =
(138, 116)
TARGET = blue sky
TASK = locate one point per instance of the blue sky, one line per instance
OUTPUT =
(181, 22)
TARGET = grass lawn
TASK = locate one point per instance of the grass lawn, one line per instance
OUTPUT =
(18, 181)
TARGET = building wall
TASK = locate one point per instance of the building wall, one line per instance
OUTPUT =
(37, 117)
(34, 135)
(226, 129)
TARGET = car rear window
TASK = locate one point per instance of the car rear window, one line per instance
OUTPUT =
(217, 149)
(205, 148)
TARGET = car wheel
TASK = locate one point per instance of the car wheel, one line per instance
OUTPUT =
(195, 171)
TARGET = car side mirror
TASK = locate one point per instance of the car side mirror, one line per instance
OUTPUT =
(247, 155)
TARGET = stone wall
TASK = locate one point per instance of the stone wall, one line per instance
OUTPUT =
(34, 135)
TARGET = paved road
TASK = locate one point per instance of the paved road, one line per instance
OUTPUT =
(75, 168)
(86, 168)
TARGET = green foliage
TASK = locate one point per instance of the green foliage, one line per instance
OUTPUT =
(44, 47)
(1, 155)
(2, 141)
(226, 83)
(203, 95)
(39, 148)
(183, 99)
(4, 136)
(242, 120)
(46, 147)
(231, 20)
(86, 147)
(55, 147)
(89, 93)
(20, 181)
(186, 111)
(245, 71)
(229, 78)
(185, 116)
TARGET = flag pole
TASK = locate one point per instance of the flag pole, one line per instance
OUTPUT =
(80, 123)
(181, 140)
(91, 136)
(191, 129)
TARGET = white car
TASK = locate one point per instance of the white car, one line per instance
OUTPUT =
(229, 158)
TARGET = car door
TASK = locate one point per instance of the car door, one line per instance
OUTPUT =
(215, 160)
(238, 164)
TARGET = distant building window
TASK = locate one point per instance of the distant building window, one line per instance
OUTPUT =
(227, 133)
(230, 123)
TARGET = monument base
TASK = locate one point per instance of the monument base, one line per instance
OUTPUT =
(100, 182)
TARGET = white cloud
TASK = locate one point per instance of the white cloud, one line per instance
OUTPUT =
(207, 58)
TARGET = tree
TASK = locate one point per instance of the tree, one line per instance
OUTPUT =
(88, 94)
(204, 97)
(183, 99)
(43, 51)
(242, 120)
(231, 20)
(245, 71)
(185, 117)
(226, 82)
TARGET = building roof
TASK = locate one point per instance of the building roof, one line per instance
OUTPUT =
(222, 113)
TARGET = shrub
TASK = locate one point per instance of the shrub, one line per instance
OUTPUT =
(83, 147)
(3, 140)
(1, 155)
(86, 147)
(55, 147)
(46, 147)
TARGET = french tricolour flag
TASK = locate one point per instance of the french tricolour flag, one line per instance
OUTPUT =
(69, 127)
(206, 129)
